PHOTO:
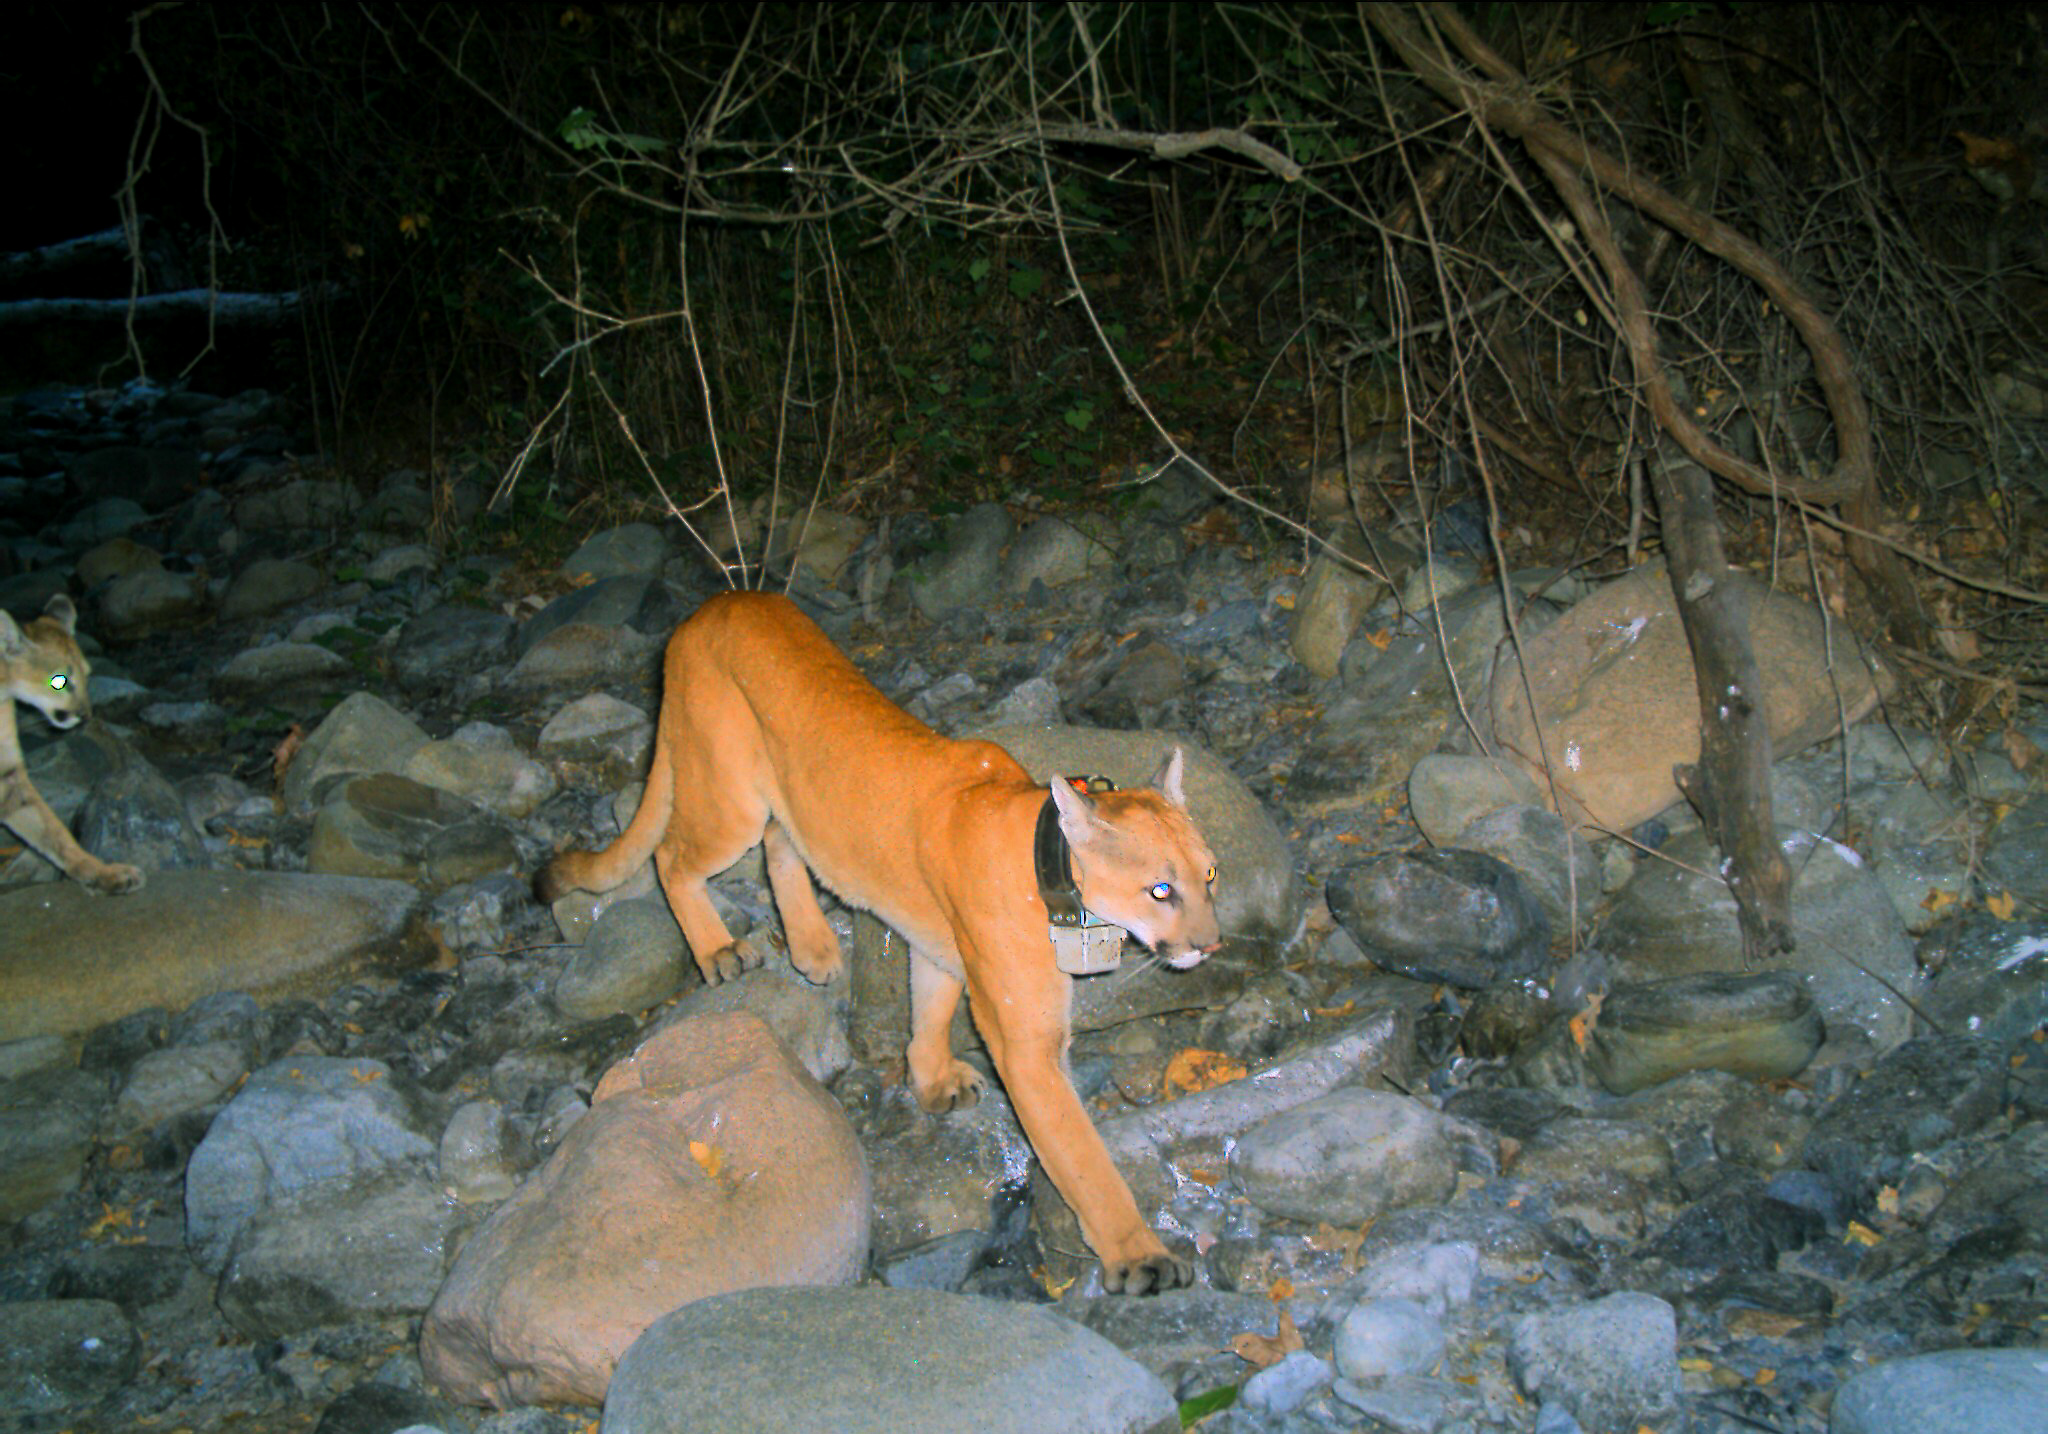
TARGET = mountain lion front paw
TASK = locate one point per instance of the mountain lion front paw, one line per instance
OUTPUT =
(116, 880)
(1146, 1275)
(958, 1089)
(729, 963)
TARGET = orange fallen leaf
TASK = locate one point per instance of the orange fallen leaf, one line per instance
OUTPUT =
(1381, 638)
(2001, 905)
(286, 749)
(1055, 1288)
(1282, 1288)
(2021, 751)
(365, 1075)
(110, 1219)
(1583, 1024)
(1693, 1364)
(1201, 1176)
(1350, 838)
(1862, 1234)
(1265, 1350)
(1937, 900)
(1888, 1200)
(1193, 1069)
(710, 1157)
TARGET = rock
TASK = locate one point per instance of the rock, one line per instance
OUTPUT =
(480, 763)
(150, 600)
(632, 959)
(1928, 1091)
(803, 1016)
(578, 655)
(708, 1161)
(35, 1054)
(391, 827)
(643, 604)
(1436, 1274)
(131, 1276)
(282, 671)
(445, 642)
(1991, 976)
(81, 959)
(1744, 1225)
(136, 816)
(941, 1177)
(599, 729)
(1447, 792)
(154, 477)
(2013, 857)
(301, 1125)
(1284, 1387)
(1334, 597)
(1054, 552)
(1885, 752)
(1177, 1328)
(1412, 1404)
(371, 1247)
(61, 1356)
(1955, 1391)
(825, 543)
(1142, 688)
(1921, 845)
(169, 1082)
(1676, 918)
(1570, 1147)
(100, 522)
(115, 558)
(1613, 680)
(297, 503)
(1034, 702)
(963, 572)
(1388, 1336)
(1397, 704)
(1444, 915)
(1763, 1026)
(941, 1264)
(1613, 1363)
(477, 1156)
(1555, 864)
(1256, 894)
(880, 1361)
(267, 585)
(1347, 1157)
(629, 550)
(46, 1129)
(393, 563)
(362, 734)
(374, 1407)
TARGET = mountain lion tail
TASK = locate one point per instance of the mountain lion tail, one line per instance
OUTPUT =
(603, 870)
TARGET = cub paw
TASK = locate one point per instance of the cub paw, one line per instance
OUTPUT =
(1146, 1275)
(729, 963)
(958, 1089)
(116, 880)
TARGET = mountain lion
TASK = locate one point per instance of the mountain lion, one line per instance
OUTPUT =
(768, 734)
(44, 668)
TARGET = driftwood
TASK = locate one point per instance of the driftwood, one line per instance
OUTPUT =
(106, 247)
(243, 310)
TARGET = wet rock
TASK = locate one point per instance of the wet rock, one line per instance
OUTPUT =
(46, 1128)
(1956, 1391)
(82, 960)
(880, 1360)
(1388, 1336)
(1613, 680)
(393, 828)
(1454, 916)
(1256, 894)
(58, 1356)
(1346, 1157)
(941, 1264)
(1764, 1026)
(1613, 1363)
(267, 585)
(632, 959)
(1676, 918)
(708, 1161)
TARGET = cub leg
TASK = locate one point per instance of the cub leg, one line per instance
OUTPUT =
(682, 872)
(1030, 1056)
(23, 811)
(813, 944)
(941, 1080)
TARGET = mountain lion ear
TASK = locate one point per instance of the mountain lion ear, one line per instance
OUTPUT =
(61, 609)
(12, 643)
(1077, 809)
(1167, 779)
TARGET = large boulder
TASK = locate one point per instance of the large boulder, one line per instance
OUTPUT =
(709, 1161)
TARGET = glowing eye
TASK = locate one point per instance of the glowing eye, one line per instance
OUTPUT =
(1161, 891)
(59, 681)
(1210, 879)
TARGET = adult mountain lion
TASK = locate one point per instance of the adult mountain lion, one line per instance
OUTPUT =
(43, 667)
(768, 734)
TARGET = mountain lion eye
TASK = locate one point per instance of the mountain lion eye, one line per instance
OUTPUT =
(1210, 879)
(58, 682)
(1161, 891)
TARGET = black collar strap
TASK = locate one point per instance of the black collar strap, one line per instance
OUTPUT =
(1056, 869)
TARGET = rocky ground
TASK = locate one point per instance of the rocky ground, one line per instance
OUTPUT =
(1474, 1124)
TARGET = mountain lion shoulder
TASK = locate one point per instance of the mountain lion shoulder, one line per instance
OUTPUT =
(768, 734)
(43, 667)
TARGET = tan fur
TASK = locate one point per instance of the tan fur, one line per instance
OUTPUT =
(41, 665)
(768, 734)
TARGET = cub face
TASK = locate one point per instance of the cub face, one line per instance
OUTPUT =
(43, 665)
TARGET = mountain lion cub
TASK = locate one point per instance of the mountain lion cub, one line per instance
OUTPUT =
(768, 734)
(44, 668)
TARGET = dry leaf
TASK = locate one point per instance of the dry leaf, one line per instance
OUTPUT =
(1381, 638)
(110, 1219)
(365, 1075)
(1862, 1234)
(1265, 1350)
(1762, 1324)
(710, 1157)
(1193, 1069)
(1201, 1176)
(1693, 1364)
(2021, 751)
(2000, 905)
(1937, 900)
(1888, 1200)
(1344, 1010)
(1282, 1288)
(287, 748)
(1765, 1376)
(1959, 643)
(1284, 601)
(1583, 1024)
(1048, 1284)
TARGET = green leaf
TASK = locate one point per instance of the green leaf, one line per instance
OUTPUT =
(981, 352)
(1025, 282)
(1079, 417)
(978, 270)
(1198, 1407)
(1044, 457)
